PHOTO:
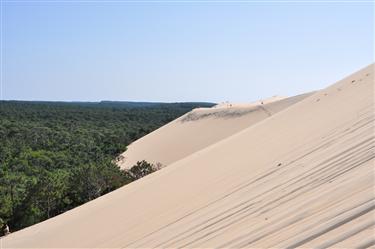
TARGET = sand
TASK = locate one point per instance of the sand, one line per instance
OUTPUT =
(200, 128)
(303, 177)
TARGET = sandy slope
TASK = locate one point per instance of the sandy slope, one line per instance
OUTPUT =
(200, 128)
(301, 178)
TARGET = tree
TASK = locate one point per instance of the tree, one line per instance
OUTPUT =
(52, 187)
(141, 169)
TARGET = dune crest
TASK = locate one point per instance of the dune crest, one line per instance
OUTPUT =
(200, 128)
(303, 177)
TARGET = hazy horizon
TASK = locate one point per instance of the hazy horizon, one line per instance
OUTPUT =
(182, 51)
(104, 100)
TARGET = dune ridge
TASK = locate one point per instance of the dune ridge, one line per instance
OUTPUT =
(303, 177)
(199, 129)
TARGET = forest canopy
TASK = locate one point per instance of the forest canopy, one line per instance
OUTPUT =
(55, 156)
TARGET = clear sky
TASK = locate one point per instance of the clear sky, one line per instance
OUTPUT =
(180, 50)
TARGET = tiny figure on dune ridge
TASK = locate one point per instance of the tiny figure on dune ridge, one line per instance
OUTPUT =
(4, 228)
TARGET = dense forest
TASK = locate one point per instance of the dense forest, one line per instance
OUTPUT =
(55, 156)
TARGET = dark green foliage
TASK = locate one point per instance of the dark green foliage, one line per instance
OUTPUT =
(141, 169)
(56, 156)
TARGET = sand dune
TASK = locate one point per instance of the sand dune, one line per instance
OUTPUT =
(303, 177)
(200, 128)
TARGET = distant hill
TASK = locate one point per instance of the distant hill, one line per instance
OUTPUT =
(154, 104)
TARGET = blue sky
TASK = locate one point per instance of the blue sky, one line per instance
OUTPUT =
(180, 51)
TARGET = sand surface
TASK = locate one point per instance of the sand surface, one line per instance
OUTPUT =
(303, 177)
(200, 128)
